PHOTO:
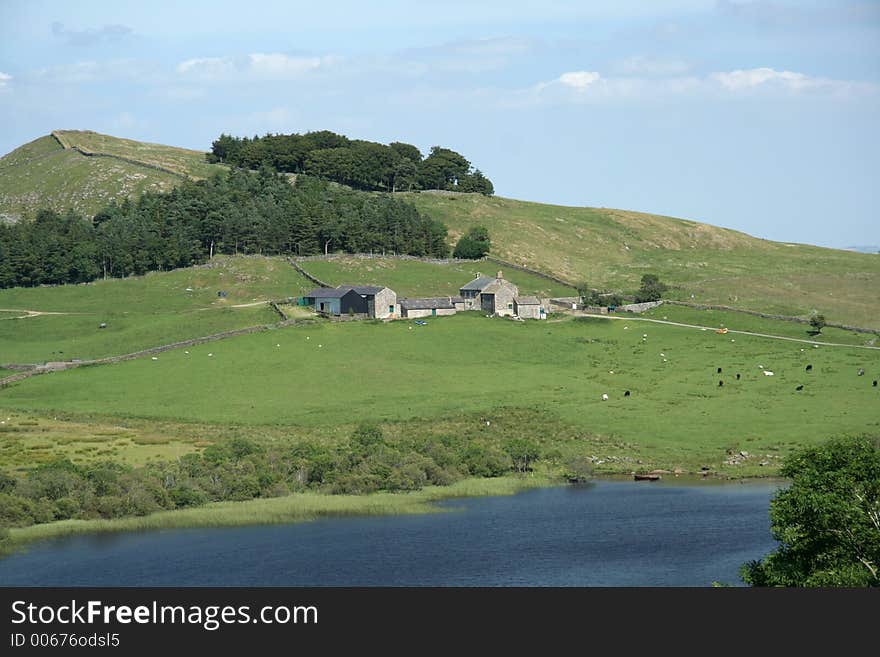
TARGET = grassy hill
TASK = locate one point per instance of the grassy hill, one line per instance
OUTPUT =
(611, 249)
(85, 170)
(606, 248)
(142, 312)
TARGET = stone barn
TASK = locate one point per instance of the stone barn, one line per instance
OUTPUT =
(529, 308)
(490, 295)
(430, 307)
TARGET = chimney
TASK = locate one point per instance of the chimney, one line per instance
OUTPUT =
(498, 275)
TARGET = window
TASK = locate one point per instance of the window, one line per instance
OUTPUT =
(510, 306)
(391, 309)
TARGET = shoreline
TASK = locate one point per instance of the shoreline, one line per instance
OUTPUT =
(306, 507)
(294, 508)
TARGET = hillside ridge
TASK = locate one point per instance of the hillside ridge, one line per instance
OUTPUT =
(606, 248)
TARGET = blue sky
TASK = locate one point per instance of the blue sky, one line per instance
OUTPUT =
(758, 116)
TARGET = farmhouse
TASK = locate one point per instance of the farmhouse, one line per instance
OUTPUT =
(370, 300)
(491, 295)
(430, 307)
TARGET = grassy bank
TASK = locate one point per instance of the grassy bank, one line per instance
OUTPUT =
(300, 507)
(143, 311)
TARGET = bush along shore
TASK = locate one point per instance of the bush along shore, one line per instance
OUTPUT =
(243, 482)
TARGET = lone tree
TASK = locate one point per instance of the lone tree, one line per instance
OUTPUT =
(817, 321)
(651, 290)
(474, 244)
(522, 452)
(828, 521)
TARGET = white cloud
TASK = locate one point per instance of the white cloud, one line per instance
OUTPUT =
(591, 86)
(265, 66)
(768, 80)
(756, 77)
(579, 80)
(4, 79)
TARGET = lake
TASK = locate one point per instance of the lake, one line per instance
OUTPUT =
(607, 533)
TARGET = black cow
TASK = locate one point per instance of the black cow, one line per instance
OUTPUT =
(737, 377)
(799, 388)
(809, 368)
(720, 384)
(719, 370)
(626, 394)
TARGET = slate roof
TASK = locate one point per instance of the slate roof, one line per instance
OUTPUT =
(527, 301)
(328, 292)
(342, 290)
(478, 283)
(427, 303)
(366, 289)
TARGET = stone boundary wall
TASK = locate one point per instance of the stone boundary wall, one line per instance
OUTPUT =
(433, 261)
(755, 313)
(313, 279)
(383, 256)
(534, 272)
(639, 307)
(58, 366)
(87, 153)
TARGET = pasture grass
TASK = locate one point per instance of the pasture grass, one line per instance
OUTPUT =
(144, 311)
(546, 377)
(424, 279)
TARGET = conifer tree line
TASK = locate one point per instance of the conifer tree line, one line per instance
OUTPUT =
(235, 212)
(365, 165)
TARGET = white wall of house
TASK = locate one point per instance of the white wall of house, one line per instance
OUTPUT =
(528, 311)
(415, 313)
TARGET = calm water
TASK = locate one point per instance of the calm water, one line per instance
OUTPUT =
(603, 534)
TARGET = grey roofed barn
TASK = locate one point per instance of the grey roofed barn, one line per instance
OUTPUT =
(527, 301)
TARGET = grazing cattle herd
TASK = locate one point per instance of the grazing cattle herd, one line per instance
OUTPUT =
(798, 388)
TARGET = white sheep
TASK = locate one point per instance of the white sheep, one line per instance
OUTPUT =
(768, 373)
(154, 358)
(604, 397)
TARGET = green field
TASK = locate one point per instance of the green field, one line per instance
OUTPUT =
(424, 279)
(611, 249)
(144, 311)
(467, 366)
(46, 174)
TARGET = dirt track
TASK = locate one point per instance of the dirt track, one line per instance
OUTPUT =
(729, 331)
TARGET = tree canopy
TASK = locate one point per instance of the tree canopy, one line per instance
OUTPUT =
(357, 163)
(234, 212)
(651, 290)
(474, 244)
(827, 521)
